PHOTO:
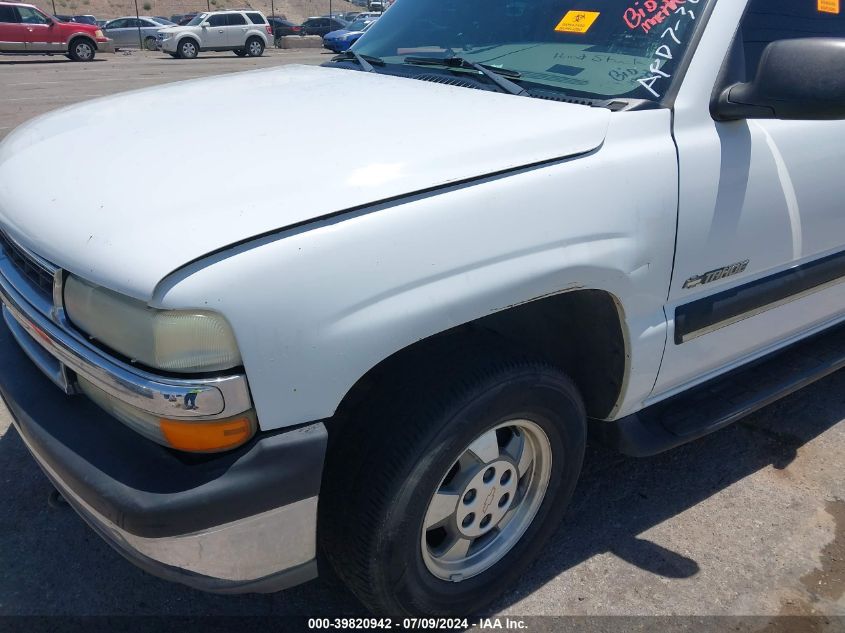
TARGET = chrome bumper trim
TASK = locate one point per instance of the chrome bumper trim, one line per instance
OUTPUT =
(219, 397)
(241, 551)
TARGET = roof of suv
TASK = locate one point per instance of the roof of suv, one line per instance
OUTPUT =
(231, 11)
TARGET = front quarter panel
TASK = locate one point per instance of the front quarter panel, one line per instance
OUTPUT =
(316, 307)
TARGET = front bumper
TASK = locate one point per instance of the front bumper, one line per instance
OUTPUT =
(168, 45)
(239, 521)
(232, 522)
(336, 46)
(105, 46)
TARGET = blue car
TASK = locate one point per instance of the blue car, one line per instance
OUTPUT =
(340, 40)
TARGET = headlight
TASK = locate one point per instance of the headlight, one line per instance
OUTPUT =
(171, 340)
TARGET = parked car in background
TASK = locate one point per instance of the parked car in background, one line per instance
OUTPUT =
(124, 32)
(322, 25)
(185, 19)
(101, 23)
(349, 16)
(368, 15)
(25, 29)
(244, 32)
(339, 41)
(64, 18)
(283, 27)
(85, 19)
(376, 5)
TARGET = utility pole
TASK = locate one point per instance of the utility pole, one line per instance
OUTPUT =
(138, 17)
(54, 7)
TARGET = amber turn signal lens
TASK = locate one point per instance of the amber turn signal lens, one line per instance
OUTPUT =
(207, 437)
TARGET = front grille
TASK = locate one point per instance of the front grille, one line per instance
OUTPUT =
(38, 274)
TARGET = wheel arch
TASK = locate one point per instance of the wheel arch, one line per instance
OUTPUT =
(582, 331)
(187, 36)
(81, 35)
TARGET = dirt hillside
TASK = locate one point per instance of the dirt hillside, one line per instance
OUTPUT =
(296, 10)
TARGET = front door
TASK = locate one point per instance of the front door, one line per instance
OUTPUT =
(761, 228)
(40, 34)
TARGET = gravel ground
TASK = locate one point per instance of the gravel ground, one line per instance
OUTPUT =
(749, 521)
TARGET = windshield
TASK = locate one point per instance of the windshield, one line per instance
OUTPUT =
(597, 49)
(163, 22)
(197, 19)
(358, 25)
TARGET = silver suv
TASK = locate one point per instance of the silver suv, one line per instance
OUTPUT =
(244, 32)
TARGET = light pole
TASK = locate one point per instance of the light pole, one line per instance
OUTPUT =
(138, 22)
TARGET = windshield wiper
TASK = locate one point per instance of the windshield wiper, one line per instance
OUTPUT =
(496, 75)
(365, 61)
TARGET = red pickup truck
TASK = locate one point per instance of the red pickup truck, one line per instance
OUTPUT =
(26, 30)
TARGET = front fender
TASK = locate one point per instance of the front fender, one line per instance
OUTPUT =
(315, 308)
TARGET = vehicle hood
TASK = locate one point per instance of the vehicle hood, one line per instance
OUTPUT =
(331, 35)
(192, 167)
(175, 29)
(79, 27)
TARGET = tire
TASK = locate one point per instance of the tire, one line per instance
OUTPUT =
(255, 47)
(188, 48)
(150, 44)
(82, 49)
(240, 52)
(386, 530)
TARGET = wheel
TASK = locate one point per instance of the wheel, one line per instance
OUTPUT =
(452, 484)
(81, 50)
(240, 52)
(187, 48)
(255, 47)
(150, 43)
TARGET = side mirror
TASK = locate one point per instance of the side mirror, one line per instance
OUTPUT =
(799, 79)
(204, 25)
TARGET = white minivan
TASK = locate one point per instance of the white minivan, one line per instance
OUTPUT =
(244, 32)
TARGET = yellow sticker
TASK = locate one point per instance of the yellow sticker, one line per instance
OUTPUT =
(829, 6)
(581, 21)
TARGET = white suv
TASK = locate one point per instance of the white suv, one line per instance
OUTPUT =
(244, 32)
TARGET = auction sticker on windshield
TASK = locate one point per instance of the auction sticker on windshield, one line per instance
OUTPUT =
(829, 6)
(577, 21)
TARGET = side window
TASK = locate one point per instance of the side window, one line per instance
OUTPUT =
(769, 20)
(7, 14)
(149, 23)
(256, 18)
(217, 20)
(115, 24)
(31, 16)
(236, 19)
